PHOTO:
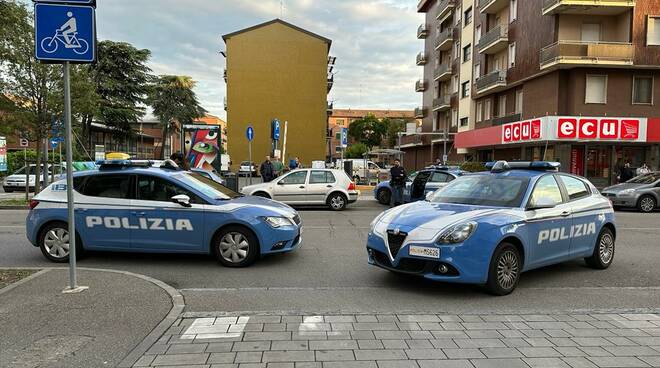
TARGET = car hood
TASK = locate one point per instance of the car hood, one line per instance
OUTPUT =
(428, 215)
(251, 201)
(623, 186)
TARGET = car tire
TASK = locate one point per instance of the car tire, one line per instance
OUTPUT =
(337, 202)
(236, 246)
(384, 196)
(646, 203)
(262, 195)
(604, 250)
(504, 270)
(53, 242)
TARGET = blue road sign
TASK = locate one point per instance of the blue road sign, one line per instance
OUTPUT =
(344, 137)
(65, 33)
(54, 143)
(249, 133)
(275, 130)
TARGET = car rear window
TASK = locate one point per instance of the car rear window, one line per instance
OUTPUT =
(321, 177)
(484, 190)
(575, 188)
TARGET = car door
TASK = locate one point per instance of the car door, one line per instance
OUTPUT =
(161, 225)
(103, 211)
(291, 188)
(585, 215)
(549, 222)
(319, 185)
(416, 189)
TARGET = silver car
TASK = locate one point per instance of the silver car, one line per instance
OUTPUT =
(329, 187)
(642, 192)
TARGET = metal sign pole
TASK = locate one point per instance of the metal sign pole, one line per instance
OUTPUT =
(27, 175)
(250, 160)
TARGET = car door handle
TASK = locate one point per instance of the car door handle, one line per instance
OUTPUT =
(302, 187)
(135, 213)
(565, 213)
(81, 209)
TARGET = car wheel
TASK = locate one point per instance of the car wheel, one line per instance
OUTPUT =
(504, 271)
(646, 204)
(384, 196)
(261, 194)
(337, 202)
(603, 254)
(236, 246)
(54, 243)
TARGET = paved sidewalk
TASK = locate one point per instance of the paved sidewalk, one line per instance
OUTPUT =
(41, 327)
(409, 341)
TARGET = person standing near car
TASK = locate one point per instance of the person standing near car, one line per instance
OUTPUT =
(266, 170)
(397, 182)
(626, 173)
(278, 167)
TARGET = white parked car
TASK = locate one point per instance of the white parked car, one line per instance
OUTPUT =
(246, 167)
(16, 181)
(329, 187)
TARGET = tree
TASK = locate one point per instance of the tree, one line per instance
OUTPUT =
(356, 150)
(368, 130)
(174, 103)
(394, 127)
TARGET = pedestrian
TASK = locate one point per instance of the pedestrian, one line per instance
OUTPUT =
(626, 173)
(180, 160)
(278, 167)
(294, 164)
(266, 170)
(397, 182)
(643, 169)
(438, 162)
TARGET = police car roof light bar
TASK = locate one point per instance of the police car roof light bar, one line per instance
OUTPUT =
(501, 166)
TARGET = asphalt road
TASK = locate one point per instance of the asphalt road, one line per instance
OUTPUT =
(330, 274)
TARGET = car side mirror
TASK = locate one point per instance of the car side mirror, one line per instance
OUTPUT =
(542, 203)
(281, 182)
(182, 199)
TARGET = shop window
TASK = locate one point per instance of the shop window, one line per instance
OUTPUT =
(653, 31)
(642, 89)
(596, 89)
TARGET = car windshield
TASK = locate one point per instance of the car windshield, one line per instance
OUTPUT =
(207, 186)
(33, 170)
(245, 163)
(645, 179)
(484, 190)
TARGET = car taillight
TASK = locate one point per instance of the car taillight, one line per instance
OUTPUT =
(351, 186)
(33, 204)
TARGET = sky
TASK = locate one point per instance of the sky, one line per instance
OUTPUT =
(374, 41)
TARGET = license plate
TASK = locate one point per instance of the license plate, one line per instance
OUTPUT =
(424, 252)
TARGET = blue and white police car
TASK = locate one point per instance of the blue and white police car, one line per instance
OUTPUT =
(487, 228)
(131, 207)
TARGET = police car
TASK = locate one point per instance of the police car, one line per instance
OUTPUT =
(131, 207)
(488, 228)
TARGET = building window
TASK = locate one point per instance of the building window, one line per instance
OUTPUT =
(464, 122)
(501, 107)
(519, 102)
(513, 10)
(455, 83)
(653, 27)
(477, 71)
(465, 89)
(477, 34)
(340, 122)
(454, 117)
(457, 50)
(596, 89)
(643, 90)
(487, 109)
(512, 55)
(435, 121)
(479, 111)
(457, 16)
(467, 16)
(467, 53)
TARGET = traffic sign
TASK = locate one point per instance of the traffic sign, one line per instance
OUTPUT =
(65, 33)
(249, 133)
(54, 143)
(275, 130)
(24, 143)
(344, 137)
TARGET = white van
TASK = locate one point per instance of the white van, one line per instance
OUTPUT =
(362, 169)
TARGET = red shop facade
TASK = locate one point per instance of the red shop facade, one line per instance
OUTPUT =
(594, 147)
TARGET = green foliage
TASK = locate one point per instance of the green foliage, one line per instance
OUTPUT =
(368, 130)
(356, 150)
(394, 127)
(473, 166)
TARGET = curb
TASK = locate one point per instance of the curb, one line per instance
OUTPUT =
(14, 208)
(24, 280)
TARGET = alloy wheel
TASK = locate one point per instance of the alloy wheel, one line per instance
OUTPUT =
(56, 242)
(646, 204)
(606, 248)
(507, 269)
(337, 202)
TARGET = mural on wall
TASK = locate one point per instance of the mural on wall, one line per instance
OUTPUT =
(202, 146)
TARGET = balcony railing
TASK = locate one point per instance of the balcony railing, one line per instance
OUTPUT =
(420, 112)
(491, 81)
(593, 7)
(421, 58)
(224, 74)
(507, 119)
(442, 103)
(443, 72)
(225, 102)
(445, 7)
(445, 40)
(420, 86)
(331, 82)
(580, 53)
(494, 40)
(492, 6)
(422, 31)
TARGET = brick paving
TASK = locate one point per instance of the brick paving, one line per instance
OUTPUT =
(410, 341)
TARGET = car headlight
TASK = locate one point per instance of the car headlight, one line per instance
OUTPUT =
(626, 192)
(278, 221)
(457, 233)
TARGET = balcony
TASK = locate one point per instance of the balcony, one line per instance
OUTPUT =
(590, 7)
(420, 86)
(422, 5)
(567, 54)
(442, 103)
(420, 112)
(331, 82)
(421, 58)
(444, 8)
(444, 40)
(495, 40)
(224, 74)
(225, 102)
(331, 106)
(491, 82)
(422, 31)
(501, 120)
(443, 72)
(493, 6)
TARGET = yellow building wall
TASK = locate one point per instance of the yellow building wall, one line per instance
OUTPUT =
(277, 72)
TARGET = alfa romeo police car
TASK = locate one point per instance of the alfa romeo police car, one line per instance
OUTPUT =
(131, 207)
(487, 228)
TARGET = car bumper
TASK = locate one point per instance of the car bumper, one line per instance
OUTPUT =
(353, 196)
(282, 240)
(622, 201)
(463, 266)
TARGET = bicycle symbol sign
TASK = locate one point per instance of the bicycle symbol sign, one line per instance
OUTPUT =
(65, 33)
